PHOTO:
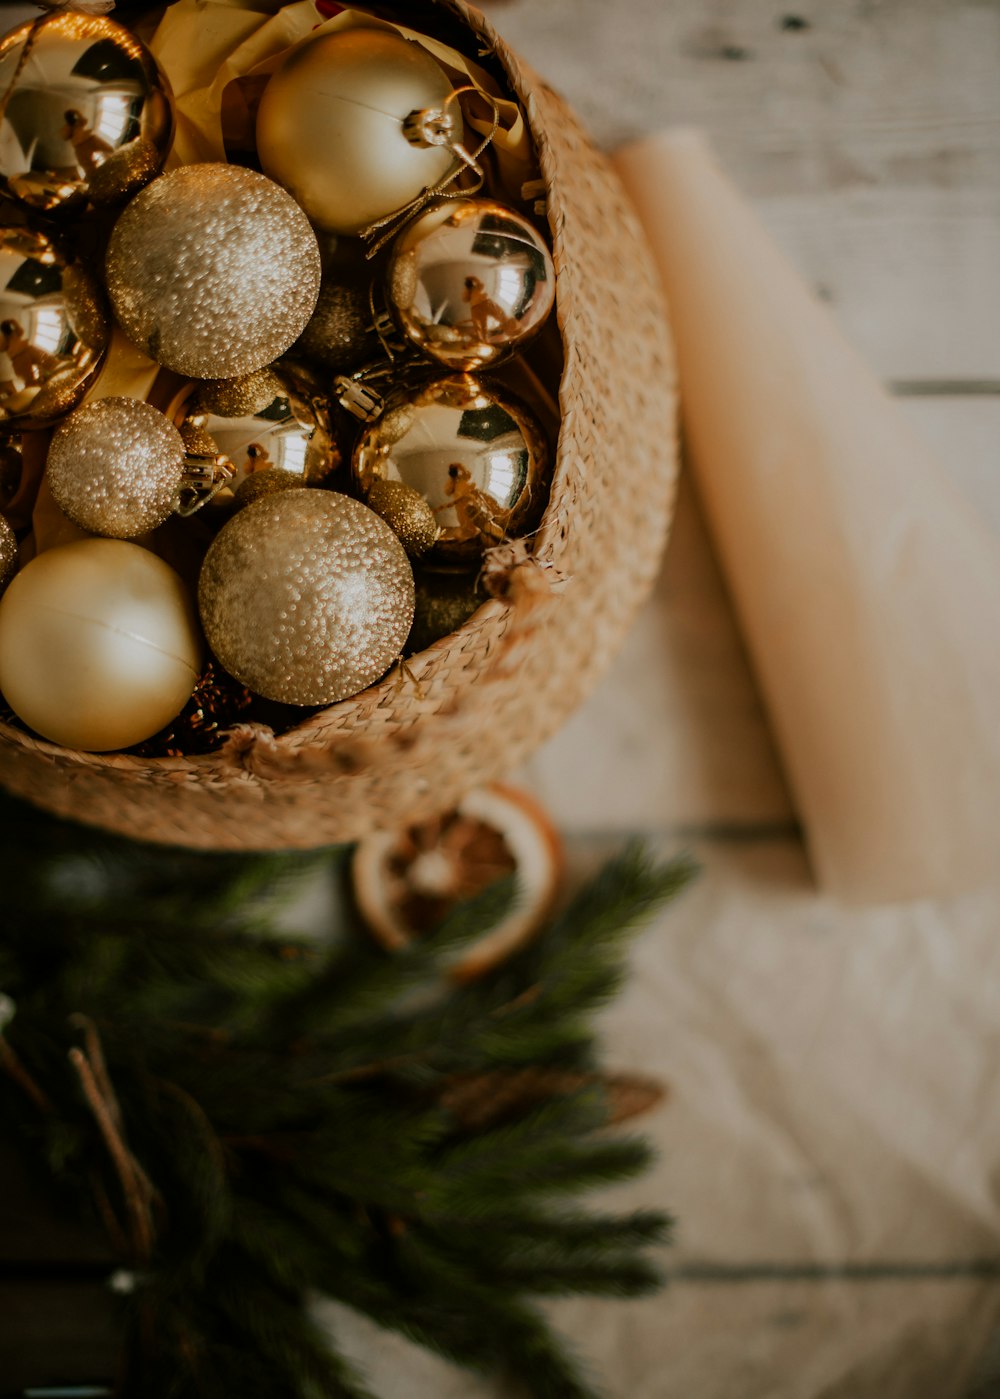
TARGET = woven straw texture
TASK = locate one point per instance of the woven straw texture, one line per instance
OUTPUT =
(489, 694)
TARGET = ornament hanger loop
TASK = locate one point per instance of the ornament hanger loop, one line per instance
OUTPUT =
(437, 126)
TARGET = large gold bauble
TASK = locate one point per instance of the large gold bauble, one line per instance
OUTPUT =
(306, 597)
(53, 329)
(213, 270)
(115, 467)
(477, 456)
(99, 644)
(330, 126)
(277, 418)
(470, 283)
(87, 113)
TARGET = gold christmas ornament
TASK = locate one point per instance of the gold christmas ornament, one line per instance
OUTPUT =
(263, 483)
(99, 644)
(340, 335)
(115, 467)
(276, 418)
(478, 457)
(306, 597)
(213, 271)
(86, 114)
(53, 329)
(445, 601)
(8, 553)
(334, 126)
(470, 282)
(406, 513)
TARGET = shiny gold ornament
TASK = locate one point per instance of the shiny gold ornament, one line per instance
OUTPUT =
(406, 513)
(264, 483)
(476, 456)
(115, 467)
(330, 126)
(306, 597)
(470, 282)
(278, 418)
(99, 644)
(86, 112)
(445, 601)
(213, 271)
(53, 329)
(8, 553)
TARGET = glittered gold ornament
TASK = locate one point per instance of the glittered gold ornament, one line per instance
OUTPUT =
(406, 513)
(470, 282)
(87, 112)
(53, 329)
(340, 335)
(99, 644)
(278, 417)
(8, 553)
(306, 597)
(478, 457)
(213, 270)
(333, 126)
(115, 467)
(263, 483)
(445, 600)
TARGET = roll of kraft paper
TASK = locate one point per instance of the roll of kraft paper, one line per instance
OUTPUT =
(868, 592)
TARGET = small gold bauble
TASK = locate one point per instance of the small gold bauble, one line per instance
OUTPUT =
(406, 513)
(306, 597)
(8, 553)
(277, 418)
(53, 329)
(478, 457)
(330, 126)
(445, 600)
(264, 483)
(340, 335)
(86, 114)
(99, 644)
(470, 283)
(115, 467)
(213, 271)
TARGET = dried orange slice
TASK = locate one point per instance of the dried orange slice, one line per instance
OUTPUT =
(407, 881)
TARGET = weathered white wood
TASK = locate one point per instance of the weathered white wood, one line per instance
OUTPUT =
(675, 736)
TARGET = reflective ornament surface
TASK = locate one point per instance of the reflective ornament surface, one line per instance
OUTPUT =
(477, 457)
(280, 419)
(330, 126)
(53, 329)
(470, 283)
(99, 644)
(115, 467)
(87, 114)
(8, 553)
(213, 271)
(306, 597)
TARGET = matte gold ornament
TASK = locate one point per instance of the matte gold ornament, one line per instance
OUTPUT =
(115, 467)
(264, 483)
(406, 513)
(333, 121)
(53, 329)
(87, 112)
(99, 644)
(478, 457)
(470, 283)
(275, 418)
(213, 271)
(8, 553)
(306, 597)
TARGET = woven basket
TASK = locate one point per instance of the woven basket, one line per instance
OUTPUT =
(490, 693)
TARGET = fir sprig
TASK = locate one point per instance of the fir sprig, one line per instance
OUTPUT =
(288, 1106)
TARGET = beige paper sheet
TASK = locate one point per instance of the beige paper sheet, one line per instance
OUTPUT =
(868, 592)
